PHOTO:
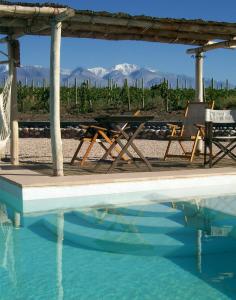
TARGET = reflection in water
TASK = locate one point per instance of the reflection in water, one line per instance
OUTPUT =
(156, 243)
(7, 244)
(60, 237)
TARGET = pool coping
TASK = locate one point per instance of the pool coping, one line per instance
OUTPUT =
(27, 191)
(27, 178)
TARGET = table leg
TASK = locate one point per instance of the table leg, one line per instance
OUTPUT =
(224, 151)
(127, 145)
(136, 149)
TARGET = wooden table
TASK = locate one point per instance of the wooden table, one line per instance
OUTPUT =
(120, 124)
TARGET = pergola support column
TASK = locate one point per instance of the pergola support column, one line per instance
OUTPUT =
(56, 142)
(199, 87)
(199, 77)
(14, 146)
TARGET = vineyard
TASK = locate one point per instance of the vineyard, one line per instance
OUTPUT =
(87, 99)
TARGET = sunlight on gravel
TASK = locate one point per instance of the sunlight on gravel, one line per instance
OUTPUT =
(39, 150)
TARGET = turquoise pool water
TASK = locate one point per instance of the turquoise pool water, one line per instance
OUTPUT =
(180, 250)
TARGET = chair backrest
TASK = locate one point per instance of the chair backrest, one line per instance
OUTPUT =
(221, 116)
(136, 113)
(194, 114)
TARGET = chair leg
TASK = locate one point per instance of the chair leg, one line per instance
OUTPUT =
(77, 152)
(111, 142)
(194, 147)
(106, 148)
(89, 149)
(182, 147)
(167, 150)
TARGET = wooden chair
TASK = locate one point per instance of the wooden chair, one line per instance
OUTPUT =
(191, 130)
(93, 134)
(100, 135)
(220, 131)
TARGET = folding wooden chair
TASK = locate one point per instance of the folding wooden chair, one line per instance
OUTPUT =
(100, 135)
(93, 134)
(220, 132)
(192, 129)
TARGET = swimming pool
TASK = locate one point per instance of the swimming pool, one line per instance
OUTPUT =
(168, 250)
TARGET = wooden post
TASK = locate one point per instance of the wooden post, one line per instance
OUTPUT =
(14, 148)
(56, 143)
(199, 77)
(199, 86)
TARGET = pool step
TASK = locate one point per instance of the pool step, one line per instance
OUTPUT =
(123, 242)
(150, 210)
(147, 244)
(128, 223)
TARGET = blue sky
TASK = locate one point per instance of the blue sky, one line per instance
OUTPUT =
(220, 64)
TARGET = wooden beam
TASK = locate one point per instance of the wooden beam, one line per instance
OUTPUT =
(4, 62)
(66, 14)
(137, 37)
(17, 10)
(14, 148)
(171, 24)
(6, 39)
(56, 142)
(137, 30)
(211, 46)
(34, 26)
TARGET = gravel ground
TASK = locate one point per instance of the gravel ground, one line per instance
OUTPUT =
(39, 150)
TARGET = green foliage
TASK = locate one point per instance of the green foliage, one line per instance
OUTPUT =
(86, 99)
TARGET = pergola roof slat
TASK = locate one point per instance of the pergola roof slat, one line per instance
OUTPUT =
(32, 19)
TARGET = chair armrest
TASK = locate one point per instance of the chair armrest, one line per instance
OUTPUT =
(98, 127)
(84, 126)
(200, 126)
(174, 128)
(174, 125)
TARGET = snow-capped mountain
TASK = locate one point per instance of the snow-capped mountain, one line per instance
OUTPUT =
(99, 71)
(125, 69)
(100, 76)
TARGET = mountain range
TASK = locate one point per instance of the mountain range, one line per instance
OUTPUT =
(100, 76)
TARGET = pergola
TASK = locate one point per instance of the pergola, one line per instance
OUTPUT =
(19, 19)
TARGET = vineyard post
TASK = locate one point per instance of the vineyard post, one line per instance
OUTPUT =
(166, 94)
(44, 84)
(108, 89)
(68, 92)
(111, 93)
(212, 83)
(76, 91)
(143, 96)
(88, 84)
